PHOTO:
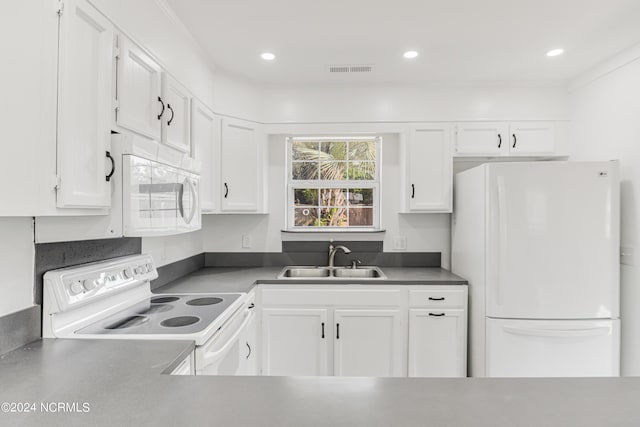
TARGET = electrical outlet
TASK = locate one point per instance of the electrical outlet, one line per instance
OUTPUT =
(627, 255)
(399, 243)
(246, 241)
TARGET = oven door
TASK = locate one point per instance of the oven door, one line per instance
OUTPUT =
(223, 354)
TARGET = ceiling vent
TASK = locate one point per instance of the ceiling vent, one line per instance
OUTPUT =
(350, 68)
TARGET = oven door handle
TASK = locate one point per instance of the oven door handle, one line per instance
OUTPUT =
(209, 358)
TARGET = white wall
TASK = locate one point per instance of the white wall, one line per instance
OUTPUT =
(606, 125)
(413, 103)
(16, 263)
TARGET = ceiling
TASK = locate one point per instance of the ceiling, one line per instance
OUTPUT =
(458, 40)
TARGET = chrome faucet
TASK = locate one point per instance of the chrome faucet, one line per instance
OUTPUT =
(333, 250)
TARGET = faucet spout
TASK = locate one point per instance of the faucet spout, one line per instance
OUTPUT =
(333, 250)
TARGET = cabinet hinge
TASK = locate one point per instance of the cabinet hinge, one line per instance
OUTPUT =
(60, 8)
(57, 182)
(116, 52)
(116, 105)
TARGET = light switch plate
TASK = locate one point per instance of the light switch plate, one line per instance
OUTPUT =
(246, 241)
(627, 255)
(399, 243)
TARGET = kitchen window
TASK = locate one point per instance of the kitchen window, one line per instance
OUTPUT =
(333, 184)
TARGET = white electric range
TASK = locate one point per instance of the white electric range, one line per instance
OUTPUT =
(113, 300)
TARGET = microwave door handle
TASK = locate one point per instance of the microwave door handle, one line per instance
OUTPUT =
(194, 202)
(180, 196)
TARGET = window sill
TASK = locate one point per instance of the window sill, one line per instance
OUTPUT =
(336, 230)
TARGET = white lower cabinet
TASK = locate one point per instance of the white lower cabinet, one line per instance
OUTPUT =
(437, 343)
(368, 343)
(294, 341)
(360, 330)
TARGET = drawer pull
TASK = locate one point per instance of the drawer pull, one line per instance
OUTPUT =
(436, 299)
(436, 314)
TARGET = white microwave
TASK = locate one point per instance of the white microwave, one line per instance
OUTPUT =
(158, 199)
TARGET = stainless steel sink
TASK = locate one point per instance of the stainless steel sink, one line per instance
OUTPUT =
(336, 273)
(304, 272)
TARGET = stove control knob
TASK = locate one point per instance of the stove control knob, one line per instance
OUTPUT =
(139, 270)
(127, 273)
(76, 288)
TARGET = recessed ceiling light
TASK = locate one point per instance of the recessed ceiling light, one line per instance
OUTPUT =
(555, 52)
(410, 54)
(268, 56)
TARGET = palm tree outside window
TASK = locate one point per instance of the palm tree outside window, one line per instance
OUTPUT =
(333, 183)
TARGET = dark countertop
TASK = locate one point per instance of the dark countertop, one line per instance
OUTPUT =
(242, 279)
(123, 385)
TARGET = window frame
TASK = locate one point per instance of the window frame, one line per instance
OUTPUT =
(291, 185)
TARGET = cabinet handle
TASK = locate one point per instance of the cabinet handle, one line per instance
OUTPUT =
(413, 191)
(113, 166)
(499, 140)
(436, 314)
(337, 331)
(172, 114)
(515, 140)
(252, 305)
(226, 190)
(161, 112)
(322, 330)
(249, 347)
(436, 299)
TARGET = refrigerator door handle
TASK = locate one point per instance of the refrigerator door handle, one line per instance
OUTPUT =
(502, 236)
(558, 333)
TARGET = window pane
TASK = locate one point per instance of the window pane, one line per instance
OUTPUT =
(333, 150)
(361, 196)
(333, 171)
(333, 217)
(362, 171)
(306, 217)
(362, 150)
(305, 197)
(333, 197)
(304, 170)
(305, 150)
(361, 217)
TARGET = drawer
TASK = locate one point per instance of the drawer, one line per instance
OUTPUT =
(438, 298)
(334, 297)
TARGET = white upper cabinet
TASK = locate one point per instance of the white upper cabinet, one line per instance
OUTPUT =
(241, 166)
(176, 120)
(205, 148)
(481, 139)
(140, 107)
(84, 165)
(368, 343)
(428, 183)
(496, 139)
(531, 138)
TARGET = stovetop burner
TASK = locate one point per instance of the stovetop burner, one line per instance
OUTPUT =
(176, 322)
(205, 301)
(163, 300)
(164, 314)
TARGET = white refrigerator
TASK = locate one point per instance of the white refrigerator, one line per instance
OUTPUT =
(539, 244)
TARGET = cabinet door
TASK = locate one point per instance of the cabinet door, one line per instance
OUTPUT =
(176, 122)
(437, 343)
(84, 105)
(205, 138)
(429, 169)
(531, 138)
(140, 107)
(293, 342)
(367, 343)
(241, 156)
(481, 139)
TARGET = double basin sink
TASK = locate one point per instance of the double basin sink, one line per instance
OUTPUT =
(337, 273)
